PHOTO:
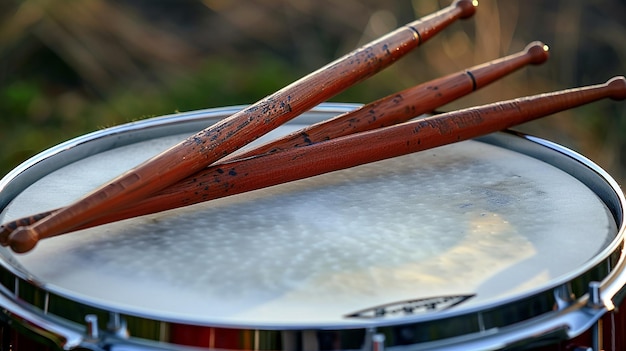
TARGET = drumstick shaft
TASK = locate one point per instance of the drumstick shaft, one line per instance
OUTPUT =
(370, 146)
(356, 149)
(297, 163)
(390, 110)
(230, 134)
(407, 104)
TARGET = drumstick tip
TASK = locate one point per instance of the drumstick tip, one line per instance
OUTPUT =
(617, 86)
(538, 52)
(468, 7)
(23, 239)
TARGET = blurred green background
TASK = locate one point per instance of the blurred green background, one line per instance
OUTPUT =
(72, 67)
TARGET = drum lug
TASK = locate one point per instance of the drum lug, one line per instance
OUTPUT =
(374, 341)
(91, 321)
(595, 302)
(564, 296)
(92, 339)
(117, 325)
(378, 342)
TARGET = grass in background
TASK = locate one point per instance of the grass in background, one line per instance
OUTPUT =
(68, 68)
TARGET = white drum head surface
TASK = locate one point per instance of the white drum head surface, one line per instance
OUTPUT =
(469, 219)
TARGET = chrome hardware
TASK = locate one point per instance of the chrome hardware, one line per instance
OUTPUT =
(564, 296)
(595, 300)
(117, 325)
(378, 342)
(59, 335)
(92, 326)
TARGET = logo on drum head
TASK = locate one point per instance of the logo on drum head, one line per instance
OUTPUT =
(411, 307)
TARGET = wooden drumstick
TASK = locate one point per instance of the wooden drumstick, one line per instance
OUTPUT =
(407, 104)
(393, 109)
(297, 163)
(265, 170)
(230, 134)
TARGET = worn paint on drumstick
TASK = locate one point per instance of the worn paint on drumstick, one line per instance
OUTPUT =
(230, 134)
(393, 109)
(356, 149)
(408, 103)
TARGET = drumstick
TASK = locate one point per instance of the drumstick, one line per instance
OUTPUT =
(213, 143)
(406, 104)
(355, 149)
(393, 109)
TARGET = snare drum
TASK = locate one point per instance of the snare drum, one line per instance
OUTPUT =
(506, 241)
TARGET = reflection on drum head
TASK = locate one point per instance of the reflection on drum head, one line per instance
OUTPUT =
(459, 220)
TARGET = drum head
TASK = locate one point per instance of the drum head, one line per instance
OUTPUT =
(458, 228)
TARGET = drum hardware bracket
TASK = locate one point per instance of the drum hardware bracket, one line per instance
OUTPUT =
(373, 341)
(91, 321)
(117, 326)
(378, 342)
(564, 296)
(65, 338)
(595, 299)
(595, 302)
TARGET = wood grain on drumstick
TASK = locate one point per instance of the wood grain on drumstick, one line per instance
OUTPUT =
(230, 134)
(355, 149)
(407, 104)
(393, 109)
